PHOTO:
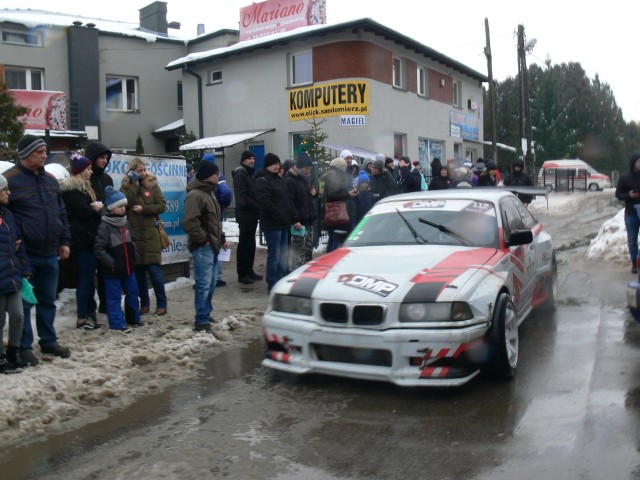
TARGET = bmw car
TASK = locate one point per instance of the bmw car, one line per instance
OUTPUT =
(428, 290)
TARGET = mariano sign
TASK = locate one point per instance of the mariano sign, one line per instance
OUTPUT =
(277, 16)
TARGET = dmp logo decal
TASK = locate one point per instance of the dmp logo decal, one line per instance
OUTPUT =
(376, 285)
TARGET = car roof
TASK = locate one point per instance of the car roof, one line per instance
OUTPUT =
(481, 193)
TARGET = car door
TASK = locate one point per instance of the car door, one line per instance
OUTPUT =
(522, 257)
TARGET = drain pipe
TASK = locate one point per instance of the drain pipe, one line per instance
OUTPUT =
(200, 119)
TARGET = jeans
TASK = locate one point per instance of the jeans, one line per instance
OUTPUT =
(45, 286)
(277, 255)
(157, 280)
(246, 248)
(205, 270)
(632, 222)
(113, 288)
(85, 286)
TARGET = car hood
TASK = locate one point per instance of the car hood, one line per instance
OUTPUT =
(391, 273)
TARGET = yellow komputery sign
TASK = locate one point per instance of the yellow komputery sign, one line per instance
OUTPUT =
(329, 100)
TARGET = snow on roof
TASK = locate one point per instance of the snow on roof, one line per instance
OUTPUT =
(42, 18)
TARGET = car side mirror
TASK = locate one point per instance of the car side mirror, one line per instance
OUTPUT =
(520, 237)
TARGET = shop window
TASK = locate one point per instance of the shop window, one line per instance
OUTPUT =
(24, 78)
(399, 143)
(122, 94)
(301, 68)
(180, 95)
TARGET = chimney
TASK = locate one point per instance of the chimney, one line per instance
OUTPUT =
(153, 17)
(200, 29)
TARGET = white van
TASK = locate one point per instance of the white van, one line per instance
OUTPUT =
(578, 170)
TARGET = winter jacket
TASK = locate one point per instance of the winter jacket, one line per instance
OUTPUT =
(114, 247)
(487, 180)
(99, 179)
(383, 185)
(273, 198)
(628, 182)
(439, 182)
(36, 203)
(13, 260)
(201, 220)
(335, 188)
(244, 189)
(224, 194)
(408, 180)
(83, 220)
(302, 204)
(146, 193)
(519, 179)
(360, 205)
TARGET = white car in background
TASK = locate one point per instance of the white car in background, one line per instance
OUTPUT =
(429, 289)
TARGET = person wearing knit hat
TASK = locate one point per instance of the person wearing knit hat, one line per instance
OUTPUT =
(3, 184)
(116, 254)
(247, 216)
(363, 178)
(362, 202)
(339, 164)
(100, 156)
(346, 154)
(28, 144)
(303, 161)
(83, 214)
(208, 157)
(45, 247)
(380, 156)
(206, 169)
(275, 218)
(382, 182)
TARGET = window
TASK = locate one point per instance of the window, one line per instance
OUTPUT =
(214, 76)
(24, 78)
(398, 77)
(122, 94)
(179, 95)
(457, 94)
(22, 37)
(422, 82)
(301, 68)
(399, 141)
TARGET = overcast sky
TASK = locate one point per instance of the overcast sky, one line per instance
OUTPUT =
(598, 36)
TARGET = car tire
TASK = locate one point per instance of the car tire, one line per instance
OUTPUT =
(593, 187)
(502, 339)
(551, 286)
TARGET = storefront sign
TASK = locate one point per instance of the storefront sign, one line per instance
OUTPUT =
(171, 173)
(353, 121)
(276, 16)
(46, 110)
(464, 126)
(329, 100)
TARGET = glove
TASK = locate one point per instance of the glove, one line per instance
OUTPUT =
(133, 175)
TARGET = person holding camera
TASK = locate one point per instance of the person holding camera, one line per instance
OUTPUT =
(145, 203)
(628, 191)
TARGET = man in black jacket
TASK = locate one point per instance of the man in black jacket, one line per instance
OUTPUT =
(37, 205)
(628, 191)
(247, 215)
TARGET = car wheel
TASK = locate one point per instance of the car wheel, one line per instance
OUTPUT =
(503, 339)
(593, 187)
(551, 286)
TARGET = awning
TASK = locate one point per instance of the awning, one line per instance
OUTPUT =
(224, 140)
(169, 130)
(501, 146)
(357, 151)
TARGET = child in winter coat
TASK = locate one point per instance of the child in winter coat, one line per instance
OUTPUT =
(13, 266)
(115, 250)
(363, 201)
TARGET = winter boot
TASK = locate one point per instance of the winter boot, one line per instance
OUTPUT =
(634, 266)
(6, 366)
(13, 355)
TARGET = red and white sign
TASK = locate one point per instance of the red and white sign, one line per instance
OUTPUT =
(46, 110)
(277, 16)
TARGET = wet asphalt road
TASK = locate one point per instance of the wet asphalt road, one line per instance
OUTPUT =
(572, 412)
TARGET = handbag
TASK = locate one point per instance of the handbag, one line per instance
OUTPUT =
(335, 214)
(164, 238)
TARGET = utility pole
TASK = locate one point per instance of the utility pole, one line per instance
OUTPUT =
(492, 92)
(525, 108)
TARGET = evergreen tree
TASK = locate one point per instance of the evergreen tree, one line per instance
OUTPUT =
(312, 144)
(139, 147)
(11, 128)
(192, 156)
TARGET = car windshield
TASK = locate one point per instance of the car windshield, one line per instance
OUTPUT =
(473, 223)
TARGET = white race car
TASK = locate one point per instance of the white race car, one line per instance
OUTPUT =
(428, 289)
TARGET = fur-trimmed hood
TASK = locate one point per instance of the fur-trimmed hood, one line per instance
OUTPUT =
(76, 183)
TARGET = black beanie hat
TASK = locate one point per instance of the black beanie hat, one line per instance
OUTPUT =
(28, 144)
(246, 154)
(93, 150)
(270, 159)
(303, 161)
(206, 169)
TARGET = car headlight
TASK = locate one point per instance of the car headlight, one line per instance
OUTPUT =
(435, 312)
(292, 304)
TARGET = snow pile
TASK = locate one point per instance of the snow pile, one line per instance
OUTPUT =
(611, 242)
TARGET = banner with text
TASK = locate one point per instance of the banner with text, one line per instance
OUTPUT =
(329, 100)
(171, 173)
(45, 110)
(464, 126)
(277, 16)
